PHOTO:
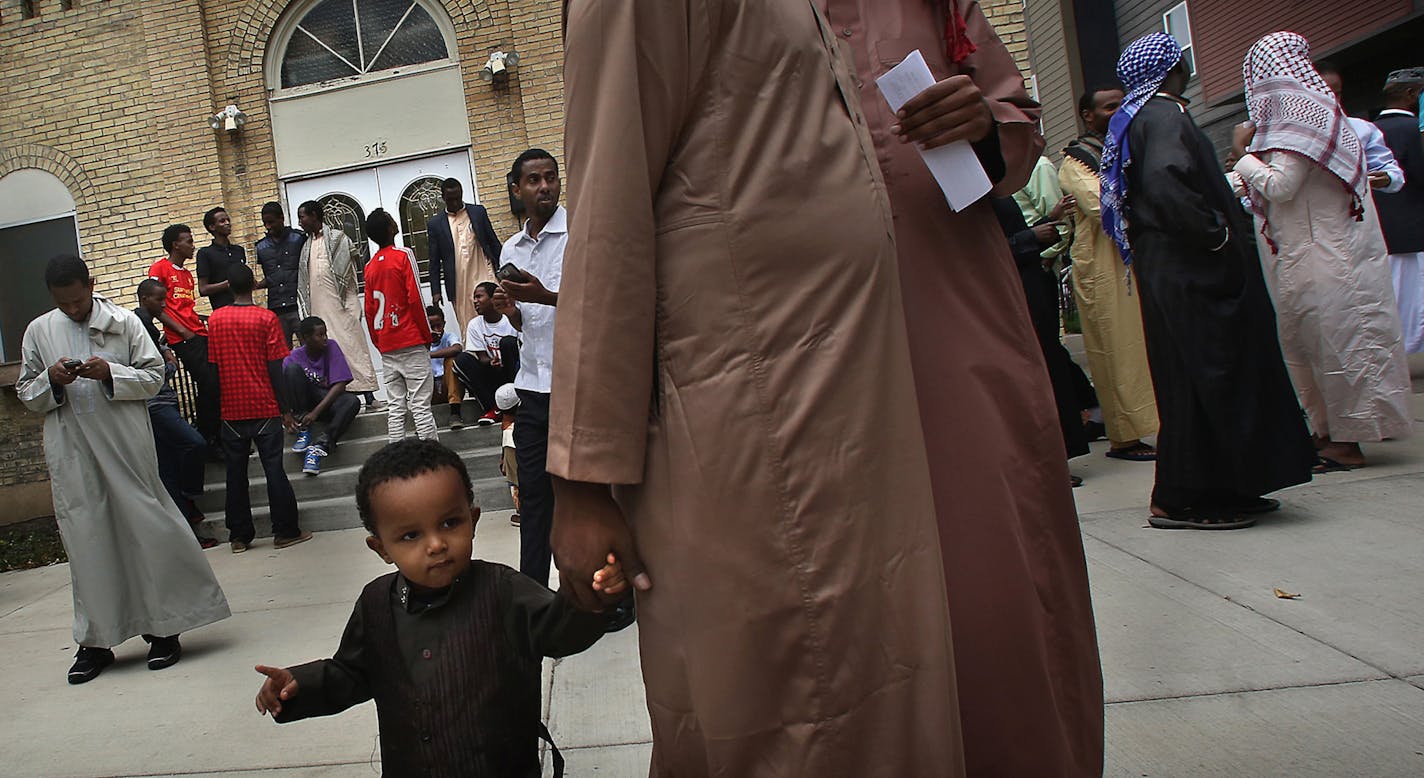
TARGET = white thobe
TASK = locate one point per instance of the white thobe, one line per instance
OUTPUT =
(135, 565)
(1330, 281)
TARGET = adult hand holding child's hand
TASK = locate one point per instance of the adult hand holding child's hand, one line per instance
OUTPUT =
(588, 528)
(280, 685)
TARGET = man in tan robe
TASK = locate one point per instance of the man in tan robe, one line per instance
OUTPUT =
(463, 251)
(1110, 313)
(731, 357)
(1025, 648)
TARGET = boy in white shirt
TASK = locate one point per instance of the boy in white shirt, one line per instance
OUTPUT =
(491, 355)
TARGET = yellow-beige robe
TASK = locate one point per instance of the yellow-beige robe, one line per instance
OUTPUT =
(731, 348)
(1025, 648)
(1110, 315)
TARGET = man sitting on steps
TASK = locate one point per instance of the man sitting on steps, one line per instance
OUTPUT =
(316, 375)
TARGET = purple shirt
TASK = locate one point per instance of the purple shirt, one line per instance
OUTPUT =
(327, 369)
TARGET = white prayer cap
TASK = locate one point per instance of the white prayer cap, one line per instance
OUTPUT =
(505, 397)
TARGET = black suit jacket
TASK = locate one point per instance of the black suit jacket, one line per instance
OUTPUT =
(442, 246)
(1402, 214)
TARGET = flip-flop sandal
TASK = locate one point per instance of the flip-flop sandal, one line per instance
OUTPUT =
(1138, 453)
(1197, 520)
(1327, 465)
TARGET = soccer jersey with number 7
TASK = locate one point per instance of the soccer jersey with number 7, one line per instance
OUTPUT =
(395, 313)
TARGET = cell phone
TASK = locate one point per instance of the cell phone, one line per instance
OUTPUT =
(510, 272)
(72, 364)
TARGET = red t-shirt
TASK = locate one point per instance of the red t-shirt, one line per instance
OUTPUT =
(242, 339)
(179, 303)
(395, 312)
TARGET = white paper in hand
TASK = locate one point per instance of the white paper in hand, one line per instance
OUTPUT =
(955, 167)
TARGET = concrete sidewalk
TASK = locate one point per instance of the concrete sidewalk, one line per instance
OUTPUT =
(1207, 672)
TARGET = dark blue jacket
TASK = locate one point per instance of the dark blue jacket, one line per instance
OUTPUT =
(280, 261)
(1401, 214)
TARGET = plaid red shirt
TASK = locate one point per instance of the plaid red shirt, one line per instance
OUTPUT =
(242, 339)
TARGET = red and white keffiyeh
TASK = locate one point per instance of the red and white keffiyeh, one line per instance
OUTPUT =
(1295, 111)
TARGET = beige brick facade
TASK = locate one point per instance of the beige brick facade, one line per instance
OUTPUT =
(1007, 16)
(112, 98)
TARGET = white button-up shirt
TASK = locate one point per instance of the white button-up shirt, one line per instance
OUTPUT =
(543, 258)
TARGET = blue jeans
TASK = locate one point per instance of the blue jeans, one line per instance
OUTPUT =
(181, 454)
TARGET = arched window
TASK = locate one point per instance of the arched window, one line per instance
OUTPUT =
(336, 39)
(420, 201)
(342, 212)
(37, 221)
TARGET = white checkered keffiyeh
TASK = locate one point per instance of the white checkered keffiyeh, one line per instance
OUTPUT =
(1295, 111)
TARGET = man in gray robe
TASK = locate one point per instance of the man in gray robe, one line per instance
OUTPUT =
(135, 566)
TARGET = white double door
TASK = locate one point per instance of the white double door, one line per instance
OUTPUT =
(408, 191)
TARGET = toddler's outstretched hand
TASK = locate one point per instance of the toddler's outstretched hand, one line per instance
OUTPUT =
(279, 686)
(609, 579)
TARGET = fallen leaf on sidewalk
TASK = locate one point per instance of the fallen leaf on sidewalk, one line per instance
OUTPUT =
(1285, 595)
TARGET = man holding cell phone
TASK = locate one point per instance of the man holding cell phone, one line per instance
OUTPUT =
(532, 265)
(135, 568)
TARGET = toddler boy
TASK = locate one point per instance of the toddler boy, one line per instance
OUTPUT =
(449, 647)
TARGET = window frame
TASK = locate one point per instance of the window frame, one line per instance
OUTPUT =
(1189, 48)
(46, 304)
(286, 29)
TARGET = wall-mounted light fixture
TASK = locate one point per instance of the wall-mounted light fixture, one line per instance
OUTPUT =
(230, 118)
(497, 69)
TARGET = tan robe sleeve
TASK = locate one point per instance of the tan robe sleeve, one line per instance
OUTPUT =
(998, 77)
(629, 73)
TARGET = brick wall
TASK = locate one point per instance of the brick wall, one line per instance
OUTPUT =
(106, 96)
(112, 97)
(1007, 17)
(24, 478)
(22, 458)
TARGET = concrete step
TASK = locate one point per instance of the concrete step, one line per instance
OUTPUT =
(368, 423)
(355, 448)
(338, 477)
(332, 513)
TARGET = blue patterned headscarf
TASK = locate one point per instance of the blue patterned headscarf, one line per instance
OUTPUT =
(1142, 69)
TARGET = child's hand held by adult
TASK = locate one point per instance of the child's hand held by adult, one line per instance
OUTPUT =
(610, 579)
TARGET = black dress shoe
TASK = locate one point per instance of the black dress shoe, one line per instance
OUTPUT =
(88, 663)
(163, 652)
(621, 616)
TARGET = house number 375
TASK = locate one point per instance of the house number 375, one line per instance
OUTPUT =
(376, 149)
